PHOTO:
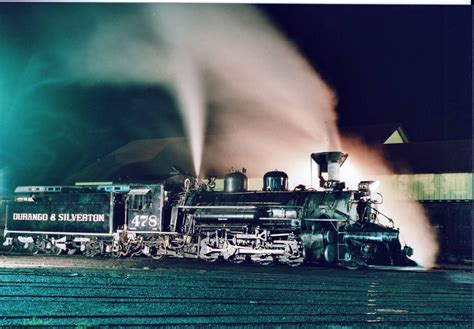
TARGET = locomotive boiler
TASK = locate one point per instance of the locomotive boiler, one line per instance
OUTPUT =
(331, 225)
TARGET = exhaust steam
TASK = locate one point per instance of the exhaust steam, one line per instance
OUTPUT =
(232, 72)
(408, 215)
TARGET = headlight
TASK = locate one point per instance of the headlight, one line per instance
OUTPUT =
(369, 185)
(374, 186)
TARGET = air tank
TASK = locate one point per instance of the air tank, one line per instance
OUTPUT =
(275, 181)
(235, 181)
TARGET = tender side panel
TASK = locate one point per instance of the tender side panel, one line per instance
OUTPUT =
(71, 212)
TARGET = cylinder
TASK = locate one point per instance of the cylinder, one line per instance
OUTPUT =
(275, 181)
(235, 182)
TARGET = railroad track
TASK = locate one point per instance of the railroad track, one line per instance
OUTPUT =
(196, 294)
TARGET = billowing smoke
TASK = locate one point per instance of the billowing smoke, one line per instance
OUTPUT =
(230, 69)
(364, 163)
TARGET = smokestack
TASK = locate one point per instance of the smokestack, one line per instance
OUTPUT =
(330, 163)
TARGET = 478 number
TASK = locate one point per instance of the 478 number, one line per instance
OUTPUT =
(144, 221)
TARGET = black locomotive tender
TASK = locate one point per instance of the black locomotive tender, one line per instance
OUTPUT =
(328, 226)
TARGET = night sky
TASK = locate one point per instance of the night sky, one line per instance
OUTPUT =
(387, 64)
(390, 64)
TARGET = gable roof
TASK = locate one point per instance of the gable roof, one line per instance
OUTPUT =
(454, 156)
(377, 134)
(397, 137)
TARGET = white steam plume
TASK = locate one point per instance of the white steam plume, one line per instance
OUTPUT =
(263, 94)
(191, 103)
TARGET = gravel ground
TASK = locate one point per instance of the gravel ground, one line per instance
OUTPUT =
(82, 292)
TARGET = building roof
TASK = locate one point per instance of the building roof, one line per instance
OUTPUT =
(430, 157)
(377, 134)
(143, 159)
(154, 159)
(453, 156)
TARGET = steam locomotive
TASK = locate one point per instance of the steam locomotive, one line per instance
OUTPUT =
(189, 219)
